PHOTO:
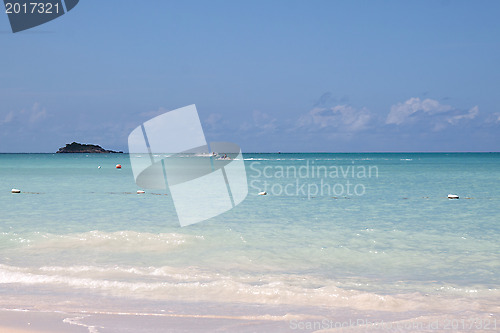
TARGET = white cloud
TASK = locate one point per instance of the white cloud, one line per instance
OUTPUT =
(8, 118)
(471, 114)
(33, 115)
(439, 114)
(154, 113)
(402, 112)
(494, 118)
(342, 117)
(37, 113)
(214, 122)
(264, 121)
(213, 119)
(260, 121)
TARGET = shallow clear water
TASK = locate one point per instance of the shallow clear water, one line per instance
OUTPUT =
(313, 240)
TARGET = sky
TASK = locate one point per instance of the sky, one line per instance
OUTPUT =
(289, 76)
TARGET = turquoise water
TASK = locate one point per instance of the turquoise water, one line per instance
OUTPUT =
(313, 240)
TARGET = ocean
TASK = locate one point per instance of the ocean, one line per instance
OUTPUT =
(339, 238)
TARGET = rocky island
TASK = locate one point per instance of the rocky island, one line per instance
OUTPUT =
(85, 148)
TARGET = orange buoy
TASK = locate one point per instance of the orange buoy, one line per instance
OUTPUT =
(118, 166)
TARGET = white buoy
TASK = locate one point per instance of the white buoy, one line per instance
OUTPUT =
(15, 190)
(453, 196)
(140, 192)
(99, 167)
(263, 193)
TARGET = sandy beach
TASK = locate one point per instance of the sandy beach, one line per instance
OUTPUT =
(17, 321)
(55, 322)
(340, 320)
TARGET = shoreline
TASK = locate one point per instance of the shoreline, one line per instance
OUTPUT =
(338, 320)
(35, 321)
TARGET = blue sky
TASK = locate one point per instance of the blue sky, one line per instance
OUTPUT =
(334, 76)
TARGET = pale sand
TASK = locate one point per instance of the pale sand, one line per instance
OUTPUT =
(16, 330)
(50, 322)
(222, 318)
(17, 321)
(14, 321)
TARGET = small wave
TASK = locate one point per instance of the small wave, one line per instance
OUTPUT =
(194, 284)
(217, 287)
(77, 322)
(119, 241)
(167, 272)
